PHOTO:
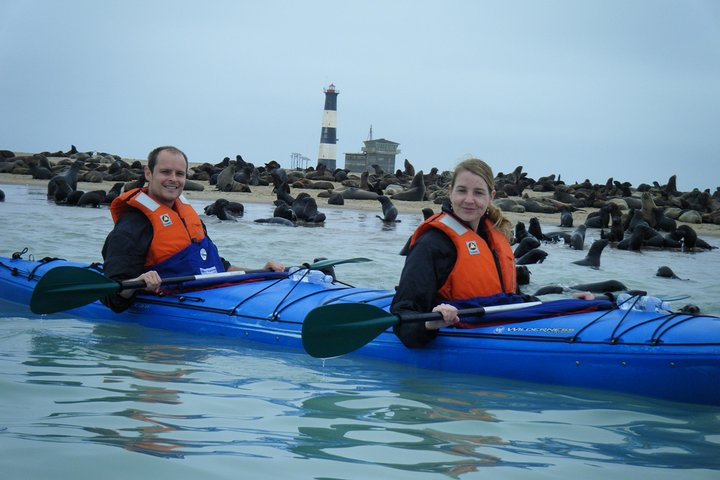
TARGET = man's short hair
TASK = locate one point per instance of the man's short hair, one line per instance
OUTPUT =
(152, 156)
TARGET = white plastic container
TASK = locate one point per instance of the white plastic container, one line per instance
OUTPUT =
(644, 303)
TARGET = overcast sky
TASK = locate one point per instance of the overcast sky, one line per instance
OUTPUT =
(628, 89)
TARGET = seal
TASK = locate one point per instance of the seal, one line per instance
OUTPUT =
(226, 179)
(700, 243)
(601, 287)
(666, 272)
(535, 230)
(60, 189)
(2, 196)
(220, 209)
(635, 218)
(336, 198)
(648, 208)
(415, 192)
(283, 210)
(548, 289)
(278, 175)
(592, 259)
(225, 210)
(616, 230)
(663, 222)
(93, 198)
(354, 193)
(555, 237)
(577, 238)
(566, 218)
(282, 194)
(601, 218)
(508, 205)
(71, 199)
(635, 240)
(409, 168)
(688, 236)
(689, 308)
(113, 193)
(520, 232)
(389, 210)
(276, 221)
(522, 274)
(534, 206)
(192, 186)
(235, 208)
(69, 177)
(526, 244)
(669, 241)
(653, 238)
(535, 255)
(38, 169)
(305, 208)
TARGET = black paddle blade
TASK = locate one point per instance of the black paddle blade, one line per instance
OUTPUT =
(64, 288)
(333, 330)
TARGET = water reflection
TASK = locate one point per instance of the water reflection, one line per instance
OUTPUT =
(170, 395)
(456, 428)
(144, 439)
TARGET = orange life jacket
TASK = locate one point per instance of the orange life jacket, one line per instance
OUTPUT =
(174, 229)
(476, 273)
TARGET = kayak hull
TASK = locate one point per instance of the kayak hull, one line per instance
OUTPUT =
(671, 357)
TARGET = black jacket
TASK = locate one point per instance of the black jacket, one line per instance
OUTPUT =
(427, 268)
(125, 251)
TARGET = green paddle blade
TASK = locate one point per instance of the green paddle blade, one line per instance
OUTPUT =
(333, 330)
(64, 288)
(330, 263)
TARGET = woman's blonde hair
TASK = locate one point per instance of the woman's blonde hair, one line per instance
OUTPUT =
(483, 170)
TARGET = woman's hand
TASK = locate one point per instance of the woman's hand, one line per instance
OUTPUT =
(274, 266)
(584, 295)
(152, 283)
(449, 314)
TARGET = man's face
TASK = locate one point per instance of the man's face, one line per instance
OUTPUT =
(167, 180)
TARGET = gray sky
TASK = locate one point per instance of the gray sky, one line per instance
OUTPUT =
(628, 89)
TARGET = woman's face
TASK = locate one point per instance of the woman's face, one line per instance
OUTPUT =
(470, 197)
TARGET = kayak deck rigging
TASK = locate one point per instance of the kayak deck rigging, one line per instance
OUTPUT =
(182, 298)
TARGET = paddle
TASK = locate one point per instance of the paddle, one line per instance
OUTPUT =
(64, 288)
(329, 263)
(340, 328)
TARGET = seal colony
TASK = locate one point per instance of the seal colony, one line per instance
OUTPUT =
(516, 191)
(610, 206)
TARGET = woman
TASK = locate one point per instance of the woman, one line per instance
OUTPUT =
(460, 257)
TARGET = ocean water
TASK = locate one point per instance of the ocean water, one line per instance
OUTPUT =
(82, 400)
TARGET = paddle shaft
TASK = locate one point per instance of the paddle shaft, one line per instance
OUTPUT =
(475, 311)
(135, 284)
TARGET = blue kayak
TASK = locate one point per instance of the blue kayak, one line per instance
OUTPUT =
(662, 355)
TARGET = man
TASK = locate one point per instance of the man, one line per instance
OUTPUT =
(157, 233)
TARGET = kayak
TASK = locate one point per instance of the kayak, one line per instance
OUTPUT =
(661, 355)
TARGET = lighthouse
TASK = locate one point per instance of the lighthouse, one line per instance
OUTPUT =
(328, 136)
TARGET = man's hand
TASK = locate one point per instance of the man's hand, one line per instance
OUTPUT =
(449, 314)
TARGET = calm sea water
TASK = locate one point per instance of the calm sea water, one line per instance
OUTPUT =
(82, 400)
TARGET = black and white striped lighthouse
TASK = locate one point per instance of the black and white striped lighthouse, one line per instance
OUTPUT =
(328, 137)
